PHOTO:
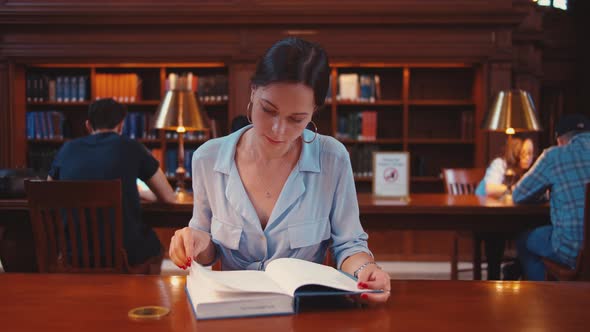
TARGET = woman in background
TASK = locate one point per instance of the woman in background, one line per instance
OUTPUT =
(517, 159)
(501, 175)
(275, 189)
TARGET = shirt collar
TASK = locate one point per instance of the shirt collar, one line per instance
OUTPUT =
(309, 160)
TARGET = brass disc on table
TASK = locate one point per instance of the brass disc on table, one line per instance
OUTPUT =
(148, 312)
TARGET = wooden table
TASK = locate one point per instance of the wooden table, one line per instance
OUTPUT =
(423, 212)
(33, 302)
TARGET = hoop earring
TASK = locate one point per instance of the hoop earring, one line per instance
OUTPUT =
(248, 111)
(314, 136)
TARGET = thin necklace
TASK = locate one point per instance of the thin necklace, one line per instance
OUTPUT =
(267, 192)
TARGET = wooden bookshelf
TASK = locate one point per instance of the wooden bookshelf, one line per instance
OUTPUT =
(428, 110)
(150, 88)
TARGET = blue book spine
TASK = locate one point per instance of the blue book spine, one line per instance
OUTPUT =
(50, 129)
(36, 125)
(365, 82)
(126, 125)
(132, 125)
(171, 162)
(30, 126)
(74, 89)
(62, 124)
(140, 125)
(81, 88)
(66, 89)
(59, 89)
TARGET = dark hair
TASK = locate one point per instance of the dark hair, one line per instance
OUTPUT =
(294, 60)
(239, 122)
(106, 113)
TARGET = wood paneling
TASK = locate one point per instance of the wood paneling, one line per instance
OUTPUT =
(5, 115)
(472, 12)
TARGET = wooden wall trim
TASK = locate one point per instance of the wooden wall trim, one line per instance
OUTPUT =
(5, 115)
(131, 12)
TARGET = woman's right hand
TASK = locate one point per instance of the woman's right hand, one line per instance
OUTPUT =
(187, 244)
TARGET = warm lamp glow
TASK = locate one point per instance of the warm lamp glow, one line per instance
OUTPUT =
(180, 111)
(514, 110)
(510, 131)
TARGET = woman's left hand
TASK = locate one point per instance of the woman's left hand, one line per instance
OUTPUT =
(372, 277)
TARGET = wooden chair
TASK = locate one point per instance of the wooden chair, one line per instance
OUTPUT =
(460, 181)
(93, 210)
(581, 272)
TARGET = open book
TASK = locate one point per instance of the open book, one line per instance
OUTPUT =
(222, 294)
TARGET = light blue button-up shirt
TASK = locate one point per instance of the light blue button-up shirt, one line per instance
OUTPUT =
(317, 207)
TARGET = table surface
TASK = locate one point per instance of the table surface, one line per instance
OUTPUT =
(425, 203)
(370, 204)
(33, 302)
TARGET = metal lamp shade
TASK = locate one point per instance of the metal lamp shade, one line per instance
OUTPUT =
(180, 109)
(512, 109)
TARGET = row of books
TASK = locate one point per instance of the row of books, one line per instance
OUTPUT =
(139, 125)
(169, 160)
(188, 136)
(360, 126)
(209, 88)
(125, 88)
(359, 87)
(46, 125)
(361, 158)
(61, 89)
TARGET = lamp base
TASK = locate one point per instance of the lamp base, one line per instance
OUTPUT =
(180, 193)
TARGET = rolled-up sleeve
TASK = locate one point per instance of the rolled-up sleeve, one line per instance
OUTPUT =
(348, 236)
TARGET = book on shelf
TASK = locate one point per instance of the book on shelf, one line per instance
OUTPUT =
(360, 126)
(276, 291)
(125, 87)
(359, 87)
(45, 125)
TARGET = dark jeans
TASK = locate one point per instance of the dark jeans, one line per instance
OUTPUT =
(532, 247)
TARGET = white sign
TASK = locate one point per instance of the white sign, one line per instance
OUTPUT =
(391, 174)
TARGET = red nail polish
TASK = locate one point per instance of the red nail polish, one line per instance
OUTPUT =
(189, 264)
(364, 296)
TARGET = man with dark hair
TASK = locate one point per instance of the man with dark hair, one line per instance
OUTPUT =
(106, 155)
(564, 170)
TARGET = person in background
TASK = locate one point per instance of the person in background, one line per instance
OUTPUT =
(564, 170)
(516, 160)
(274, 189)
(106, 155)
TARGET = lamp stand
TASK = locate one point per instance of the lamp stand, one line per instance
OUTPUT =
(508, 176)
(180, 170)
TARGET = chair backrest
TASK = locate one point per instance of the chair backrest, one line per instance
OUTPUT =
(77, 225)
(462, 181)
(583, 262)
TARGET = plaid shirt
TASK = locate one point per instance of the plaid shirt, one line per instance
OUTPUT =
(564, 171)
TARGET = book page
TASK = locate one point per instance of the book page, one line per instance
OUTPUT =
(292, 273)
(238, 281)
